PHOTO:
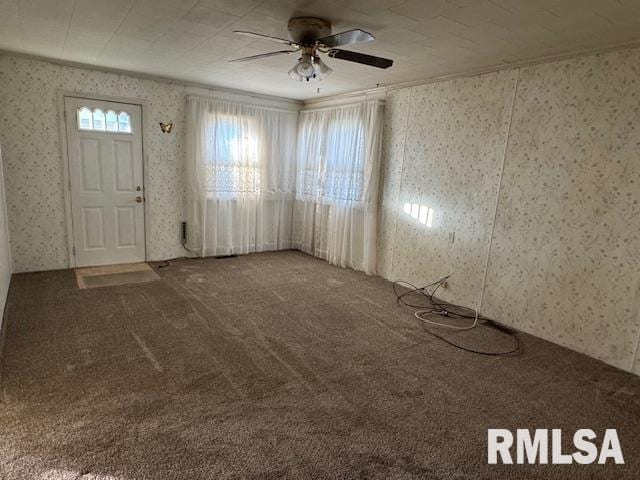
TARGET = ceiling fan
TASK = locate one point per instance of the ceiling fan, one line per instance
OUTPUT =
(312, 36)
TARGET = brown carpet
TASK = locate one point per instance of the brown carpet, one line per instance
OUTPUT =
(277, 365)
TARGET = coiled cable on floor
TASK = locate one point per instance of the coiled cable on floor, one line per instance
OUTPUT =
(433, 306)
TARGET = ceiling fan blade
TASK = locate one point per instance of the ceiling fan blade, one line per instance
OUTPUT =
(267, 37)
(262, 55)
(360, 58)
(345, 38)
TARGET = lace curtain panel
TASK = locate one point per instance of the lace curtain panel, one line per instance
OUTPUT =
(240, 174)
(337, 181)
(259, 179)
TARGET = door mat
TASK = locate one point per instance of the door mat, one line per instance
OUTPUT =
(113, 275)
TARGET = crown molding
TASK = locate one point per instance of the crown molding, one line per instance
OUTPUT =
(157, 78)
(382, 90)
(341, 98)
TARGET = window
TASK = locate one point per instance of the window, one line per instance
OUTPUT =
(112, 121)
(344, 158)
(233, 152)
(98, 120)
(85, 119)
(124, 123)
(332, 165)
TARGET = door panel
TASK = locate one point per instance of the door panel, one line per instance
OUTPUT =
(124, 163)
(91, 165)
(125, 227)
(106, 177)
(93, 227)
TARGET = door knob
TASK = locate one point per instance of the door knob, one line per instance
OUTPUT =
(139, 199)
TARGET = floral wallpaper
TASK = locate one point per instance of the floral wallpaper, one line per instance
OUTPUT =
(396, 111)
(455, 141)
(30, 137)
(563, 262)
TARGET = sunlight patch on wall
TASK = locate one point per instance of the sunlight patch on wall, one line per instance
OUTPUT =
(422, 213)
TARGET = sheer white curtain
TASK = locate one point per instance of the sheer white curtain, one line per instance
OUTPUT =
(338, 169)
(240, 173)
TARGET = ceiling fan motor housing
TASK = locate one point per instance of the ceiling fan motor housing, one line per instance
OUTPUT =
(306, 30)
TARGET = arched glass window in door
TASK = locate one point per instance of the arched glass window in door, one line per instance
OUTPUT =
(112, 121)
(85, 119)
(98, 120)
(124, 122)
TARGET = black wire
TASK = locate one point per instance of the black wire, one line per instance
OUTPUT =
(445, 309)
(184, 245)
(515, 349)
(167, 263)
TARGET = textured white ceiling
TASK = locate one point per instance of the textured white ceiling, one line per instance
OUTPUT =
(192, 40)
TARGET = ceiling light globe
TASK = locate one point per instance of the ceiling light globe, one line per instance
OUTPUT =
(320, 68)
(295, 75)
(305, 66)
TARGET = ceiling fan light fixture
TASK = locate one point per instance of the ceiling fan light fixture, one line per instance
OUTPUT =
(311, 36)
(309, 67)
(304, 69)
(321, 69)
(293, 73)
(305, 66)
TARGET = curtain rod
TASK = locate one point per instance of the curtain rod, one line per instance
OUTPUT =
(343, 105)
(241, 102)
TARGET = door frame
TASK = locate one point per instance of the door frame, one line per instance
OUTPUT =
(66, 177)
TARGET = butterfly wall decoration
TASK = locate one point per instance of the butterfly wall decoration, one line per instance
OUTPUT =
(166, 127)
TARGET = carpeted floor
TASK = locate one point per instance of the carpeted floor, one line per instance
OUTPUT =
(277, 365)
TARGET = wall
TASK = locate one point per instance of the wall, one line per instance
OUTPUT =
(30, 134)
(549, 242)
(562, 259)
(565, 258)
(5, 254)
(452, 153)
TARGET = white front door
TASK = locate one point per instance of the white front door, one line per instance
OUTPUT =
(104, 142)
